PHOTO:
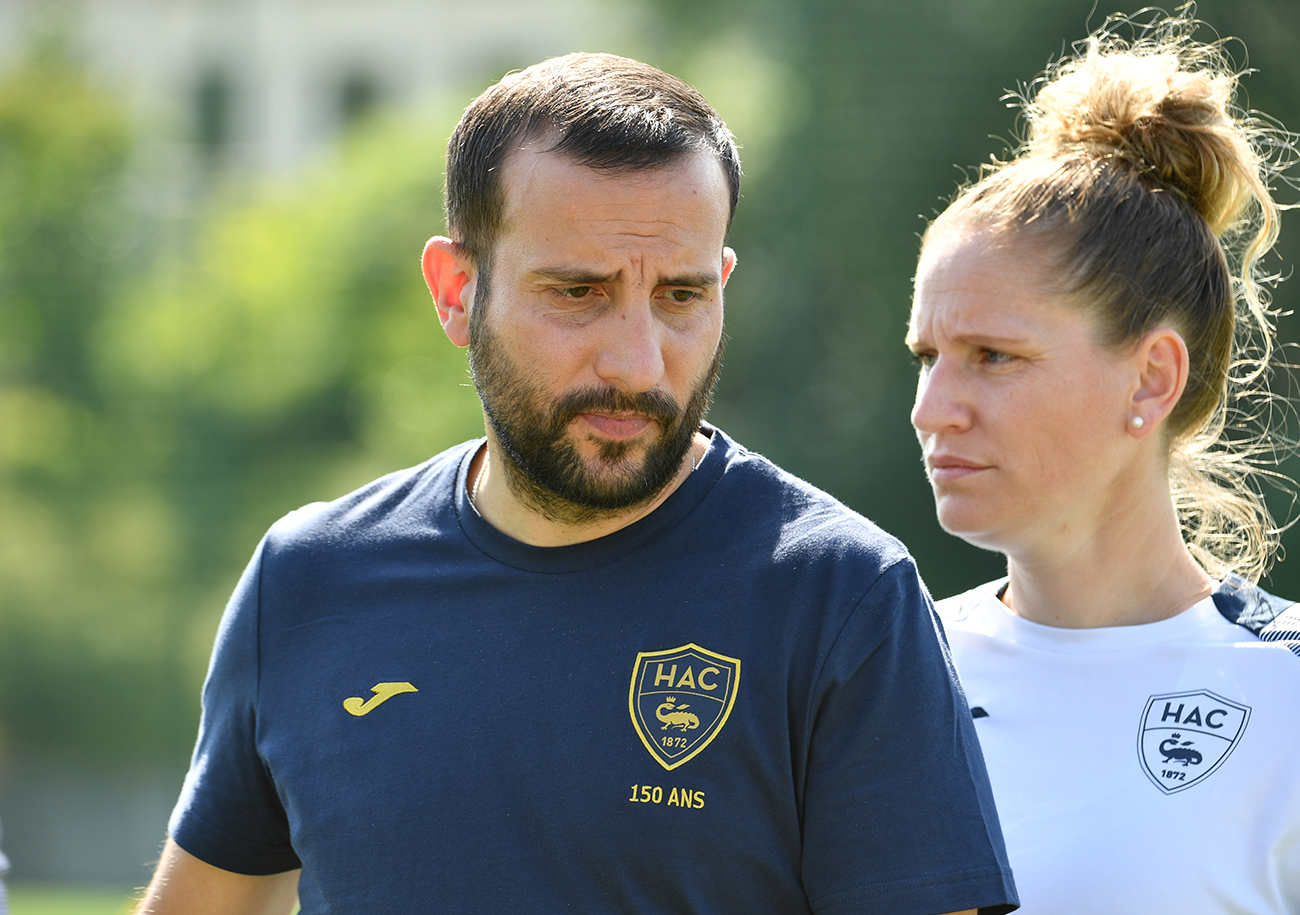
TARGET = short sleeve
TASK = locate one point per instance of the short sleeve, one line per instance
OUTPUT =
(229, 813)
(896, 785)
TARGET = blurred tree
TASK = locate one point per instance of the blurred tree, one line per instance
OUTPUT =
(293, 344)
(156, 414)
(63, 149)
(71, 542)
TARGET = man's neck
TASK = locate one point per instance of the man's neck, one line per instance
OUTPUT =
(499, 506)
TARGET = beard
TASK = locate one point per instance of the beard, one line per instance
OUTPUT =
(542, 464)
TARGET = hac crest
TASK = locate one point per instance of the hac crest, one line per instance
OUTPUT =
(680, 699)
(1185, 737)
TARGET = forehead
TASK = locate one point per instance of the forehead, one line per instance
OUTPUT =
(972, 279)
(554, 201)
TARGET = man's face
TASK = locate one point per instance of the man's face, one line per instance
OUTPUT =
(596, 348)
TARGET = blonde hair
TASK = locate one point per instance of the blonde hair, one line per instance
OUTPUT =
(1152, 189)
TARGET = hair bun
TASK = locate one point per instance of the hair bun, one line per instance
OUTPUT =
(1157, 110)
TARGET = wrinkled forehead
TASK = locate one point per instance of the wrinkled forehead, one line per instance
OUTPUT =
(968, 242)
(971, 282)
(540, 183)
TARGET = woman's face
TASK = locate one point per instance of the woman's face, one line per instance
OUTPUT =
(1020, 413)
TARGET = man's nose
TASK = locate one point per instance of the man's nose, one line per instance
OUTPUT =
(630, 353)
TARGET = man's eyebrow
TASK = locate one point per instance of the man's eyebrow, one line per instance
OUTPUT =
(704, 278)
(579, 276)
(576, 276)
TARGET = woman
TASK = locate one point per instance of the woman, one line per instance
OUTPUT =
(1075, 317)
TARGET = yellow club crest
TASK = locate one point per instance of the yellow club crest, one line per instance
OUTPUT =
(680, 699)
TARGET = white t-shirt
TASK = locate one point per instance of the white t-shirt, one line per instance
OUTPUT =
(1137, 769)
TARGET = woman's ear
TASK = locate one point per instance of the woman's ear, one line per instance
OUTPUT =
(449, 275)
(1162, 364)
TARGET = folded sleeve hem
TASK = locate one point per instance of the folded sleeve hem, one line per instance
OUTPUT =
(232, 853)
(988, 889)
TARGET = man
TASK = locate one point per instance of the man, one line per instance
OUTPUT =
(607, 660)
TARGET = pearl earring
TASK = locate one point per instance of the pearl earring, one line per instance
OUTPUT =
(1137, 422)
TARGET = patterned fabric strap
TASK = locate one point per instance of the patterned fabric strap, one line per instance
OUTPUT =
(1273, 619)
(1285, 629)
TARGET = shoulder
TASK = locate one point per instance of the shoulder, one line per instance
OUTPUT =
(1272, 618)
(1284, 629)
(754, 493)
(958, 611)
(394, 505)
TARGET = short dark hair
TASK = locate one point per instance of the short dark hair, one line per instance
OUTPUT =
(604, 111)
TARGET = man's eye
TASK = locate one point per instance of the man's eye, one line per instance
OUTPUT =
(682, 296)
(575, 292)
(992, 355)
(925, 360)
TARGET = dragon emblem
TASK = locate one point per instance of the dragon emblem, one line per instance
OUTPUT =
(1171, 749)
(675, 717)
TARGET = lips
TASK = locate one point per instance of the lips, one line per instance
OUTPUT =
(947, 468)
(613, 414)
(617, 426)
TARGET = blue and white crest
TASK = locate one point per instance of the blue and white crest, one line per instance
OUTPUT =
(1185, 737)
(680, 699)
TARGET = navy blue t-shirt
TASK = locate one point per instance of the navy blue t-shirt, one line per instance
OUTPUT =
(740, 703)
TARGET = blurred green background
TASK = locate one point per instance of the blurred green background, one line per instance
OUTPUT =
(205, 323)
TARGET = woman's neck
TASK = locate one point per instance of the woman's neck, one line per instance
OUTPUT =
(1137, 570)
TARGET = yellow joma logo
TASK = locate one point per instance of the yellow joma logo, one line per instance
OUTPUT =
(383, 692)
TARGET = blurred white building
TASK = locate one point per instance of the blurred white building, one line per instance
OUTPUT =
(257, 84)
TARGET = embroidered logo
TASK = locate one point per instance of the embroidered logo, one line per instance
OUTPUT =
(1185, 737)
(680, 699)
(382, 693)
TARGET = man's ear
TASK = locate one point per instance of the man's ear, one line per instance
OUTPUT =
(450, 278)
(1163, 364)
(728, 264)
